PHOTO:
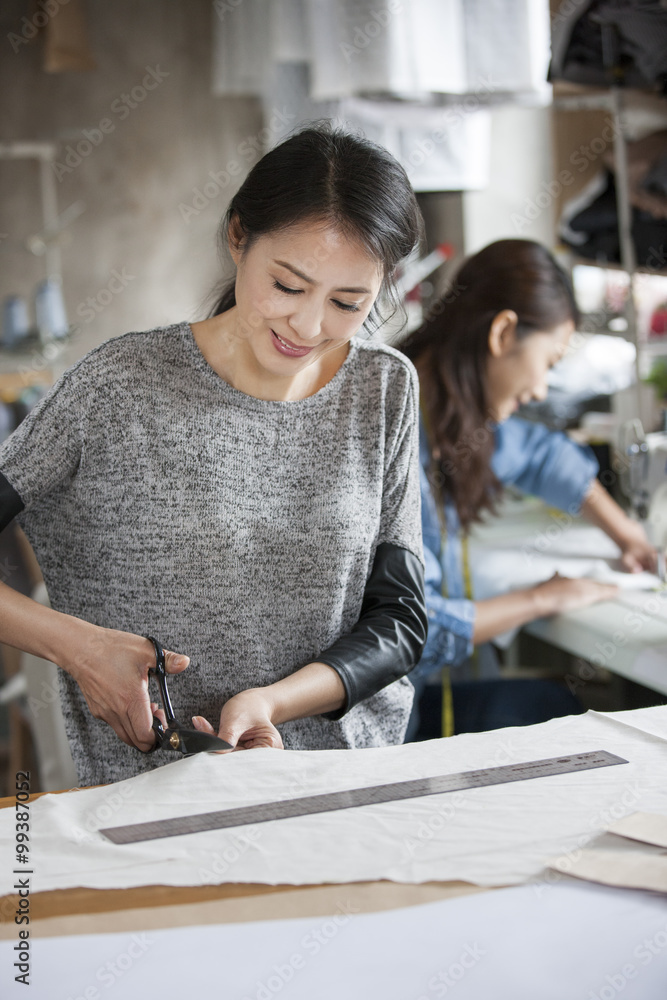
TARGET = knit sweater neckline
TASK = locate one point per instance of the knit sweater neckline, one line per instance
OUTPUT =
(240, 398)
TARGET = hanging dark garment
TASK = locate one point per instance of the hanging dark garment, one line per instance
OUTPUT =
(601, 42)
(593, 230)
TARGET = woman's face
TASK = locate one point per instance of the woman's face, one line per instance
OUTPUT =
(300, 294)
(516, 369)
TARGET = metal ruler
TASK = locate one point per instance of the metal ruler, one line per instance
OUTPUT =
(332, 801)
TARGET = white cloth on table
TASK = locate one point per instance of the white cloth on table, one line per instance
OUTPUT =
(495, 835)
(531, 553)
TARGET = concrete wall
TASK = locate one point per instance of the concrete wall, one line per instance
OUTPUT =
(133, 260)
(517, 203)
(152, 158)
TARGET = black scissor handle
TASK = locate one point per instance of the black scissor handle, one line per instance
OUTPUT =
(186, 741)
(160, 672)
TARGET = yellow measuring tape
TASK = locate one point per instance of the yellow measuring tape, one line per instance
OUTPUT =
(447, 711)
(447, 714)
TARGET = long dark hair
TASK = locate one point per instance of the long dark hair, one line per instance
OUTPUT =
(452, 348)
(325, 173)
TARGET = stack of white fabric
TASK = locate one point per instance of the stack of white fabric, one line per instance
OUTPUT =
(416, 77)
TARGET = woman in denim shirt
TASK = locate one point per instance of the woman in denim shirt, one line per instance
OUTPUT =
(485, 349)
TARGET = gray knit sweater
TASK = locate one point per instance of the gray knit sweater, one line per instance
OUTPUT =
(160, 500)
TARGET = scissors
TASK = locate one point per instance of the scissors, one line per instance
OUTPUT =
(176, 737)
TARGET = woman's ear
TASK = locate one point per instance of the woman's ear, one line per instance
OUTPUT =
(235, 239)
(502, 333)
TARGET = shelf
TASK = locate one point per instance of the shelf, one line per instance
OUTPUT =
(566, 95)
(656, 346)
(12, 384)
(577, 260)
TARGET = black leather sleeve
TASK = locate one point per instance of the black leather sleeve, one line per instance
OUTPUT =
(388, 639)
(10, 502)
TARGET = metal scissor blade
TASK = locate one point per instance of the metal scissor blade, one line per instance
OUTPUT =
(189, 741)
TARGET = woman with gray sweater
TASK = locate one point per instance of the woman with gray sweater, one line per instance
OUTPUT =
(245, 488)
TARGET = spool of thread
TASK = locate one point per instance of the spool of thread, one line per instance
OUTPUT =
(15, 323)
(50, 311)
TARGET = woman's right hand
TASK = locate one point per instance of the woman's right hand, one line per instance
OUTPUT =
(561, 593)
(111, 668)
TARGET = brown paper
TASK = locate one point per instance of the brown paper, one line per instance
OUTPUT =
(623, 869)
(650, 828)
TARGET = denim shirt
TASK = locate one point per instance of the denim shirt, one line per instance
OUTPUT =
(528, 456)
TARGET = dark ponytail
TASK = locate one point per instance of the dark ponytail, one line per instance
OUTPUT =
(325, 173)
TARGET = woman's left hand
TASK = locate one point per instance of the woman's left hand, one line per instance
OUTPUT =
(245, 722)
(637, 553)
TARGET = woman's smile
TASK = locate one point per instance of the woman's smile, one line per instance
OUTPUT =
(288, 348)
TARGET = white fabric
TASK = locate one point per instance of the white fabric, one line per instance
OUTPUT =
(408, 50)
(414, 48)
(492, 836)
(491, 575)
(572, 941)
(530, 544)
(416, 77)
(441, 148)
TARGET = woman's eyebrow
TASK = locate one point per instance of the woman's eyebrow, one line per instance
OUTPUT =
(311, 281)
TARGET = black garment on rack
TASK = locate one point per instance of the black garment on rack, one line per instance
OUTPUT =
(640, 37)
(597, 222)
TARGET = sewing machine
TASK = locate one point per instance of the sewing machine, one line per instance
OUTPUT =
(656, 479)
(645, 481)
